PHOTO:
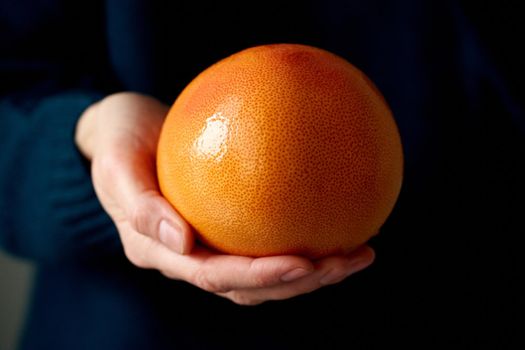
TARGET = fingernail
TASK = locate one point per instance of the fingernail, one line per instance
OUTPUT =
(171, 237)
(294, 274)
(335, 276)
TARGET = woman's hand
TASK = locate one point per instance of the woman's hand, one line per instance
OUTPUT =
(119, 135)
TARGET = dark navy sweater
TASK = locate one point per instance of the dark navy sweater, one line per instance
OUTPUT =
(449, 259)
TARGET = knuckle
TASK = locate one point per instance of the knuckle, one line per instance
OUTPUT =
(259, 277)
(142, 216)
(202, 280)
(262, 280)
(138, 217)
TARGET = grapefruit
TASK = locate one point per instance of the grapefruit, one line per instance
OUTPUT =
(281, 149)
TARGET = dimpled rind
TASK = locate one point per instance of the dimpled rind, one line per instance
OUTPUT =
(281, 149)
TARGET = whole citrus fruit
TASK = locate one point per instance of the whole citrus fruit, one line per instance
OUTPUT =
(281, 149)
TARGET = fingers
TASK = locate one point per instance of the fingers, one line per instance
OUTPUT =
(335, 269)
(328, 271)
(244, 280)
(249, 281)
(221, 273)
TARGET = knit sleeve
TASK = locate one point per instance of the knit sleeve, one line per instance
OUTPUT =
(48, 207)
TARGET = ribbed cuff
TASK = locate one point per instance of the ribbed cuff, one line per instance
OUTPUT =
(83, 228)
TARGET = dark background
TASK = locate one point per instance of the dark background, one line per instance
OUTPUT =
(449, 266)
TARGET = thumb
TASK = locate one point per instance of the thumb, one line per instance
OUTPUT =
(151, 215)
(128, 179)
